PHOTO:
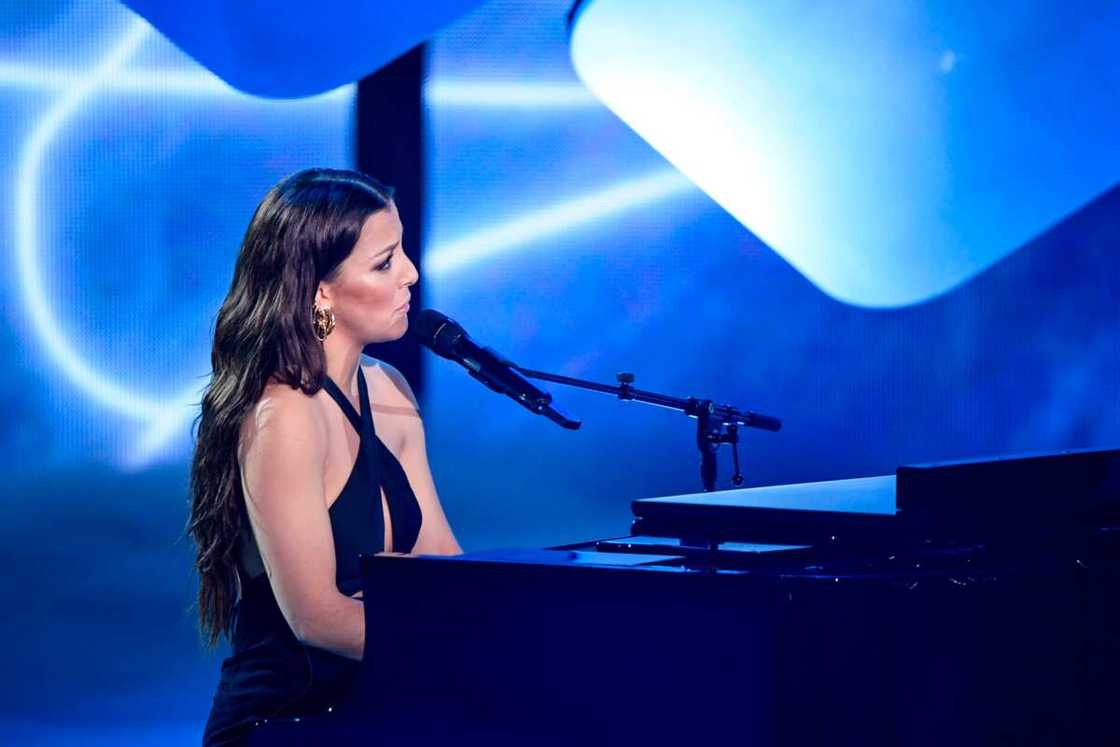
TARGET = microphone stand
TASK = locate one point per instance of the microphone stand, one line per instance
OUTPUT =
(716, 424)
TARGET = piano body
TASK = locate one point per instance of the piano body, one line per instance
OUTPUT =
(965, 603)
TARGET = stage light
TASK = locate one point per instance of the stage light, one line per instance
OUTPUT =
(28, 172)
(508, 95)
(519, 232)
(178, 83)
(889, 151)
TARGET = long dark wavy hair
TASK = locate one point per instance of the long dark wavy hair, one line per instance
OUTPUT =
(303, 229)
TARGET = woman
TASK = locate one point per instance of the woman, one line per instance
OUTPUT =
(307, 454)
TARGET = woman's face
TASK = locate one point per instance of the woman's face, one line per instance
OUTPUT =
(370, 292)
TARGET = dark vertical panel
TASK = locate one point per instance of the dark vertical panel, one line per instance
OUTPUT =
(389, 134)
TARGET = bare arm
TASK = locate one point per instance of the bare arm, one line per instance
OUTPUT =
(436, 537)
(283, 456)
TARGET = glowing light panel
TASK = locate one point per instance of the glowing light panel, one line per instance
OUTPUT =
(889, 151)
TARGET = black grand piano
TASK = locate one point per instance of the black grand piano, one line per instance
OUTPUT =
(964, 603)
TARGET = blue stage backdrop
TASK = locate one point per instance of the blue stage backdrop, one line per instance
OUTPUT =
(556, 235)
(560, 238)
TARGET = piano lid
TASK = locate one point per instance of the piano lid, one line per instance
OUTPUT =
(802, 513)
(1015, 498)
(862, 495)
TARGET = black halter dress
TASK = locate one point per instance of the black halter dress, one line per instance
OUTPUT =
(270, 674)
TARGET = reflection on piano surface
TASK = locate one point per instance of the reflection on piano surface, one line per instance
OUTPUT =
(958, 603)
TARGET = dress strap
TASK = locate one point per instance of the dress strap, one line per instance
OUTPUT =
(363, 402)
(360, 422)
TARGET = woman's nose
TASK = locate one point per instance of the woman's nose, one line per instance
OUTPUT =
(413, 274)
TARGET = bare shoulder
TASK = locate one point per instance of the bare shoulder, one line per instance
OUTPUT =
(282, 413)
(388, 385)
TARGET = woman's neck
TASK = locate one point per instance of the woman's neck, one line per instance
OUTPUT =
(343, 356)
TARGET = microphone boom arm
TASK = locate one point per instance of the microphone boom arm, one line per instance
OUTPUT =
(447, 338)
(711, 418)
(690, 406)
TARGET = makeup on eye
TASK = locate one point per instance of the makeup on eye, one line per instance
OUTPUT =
(388, 260)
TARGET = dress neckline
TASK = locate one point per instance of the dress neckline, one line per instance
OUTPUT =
(359, 421)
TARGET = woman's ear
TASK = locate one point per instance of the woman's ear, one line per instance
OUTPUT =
(323, 296)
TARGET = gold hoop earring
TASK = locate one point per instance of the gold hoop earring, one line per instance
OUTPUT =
(322, 321)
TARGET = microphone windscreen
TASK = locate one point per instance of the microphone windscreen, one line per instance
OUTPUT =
(432, 328)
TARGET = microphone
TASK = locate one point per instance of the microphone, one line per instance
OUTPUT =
(446, 338)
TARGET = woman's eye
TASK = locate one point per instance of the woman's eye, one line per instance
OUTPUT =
(384, 266)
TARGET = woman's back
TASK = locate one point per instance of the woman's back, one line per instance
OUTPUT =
(270, 673)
